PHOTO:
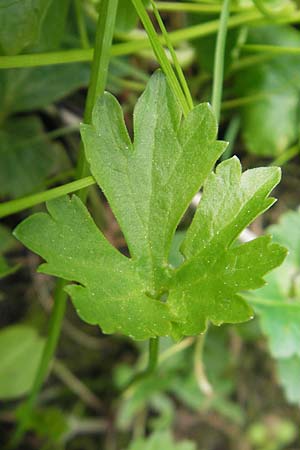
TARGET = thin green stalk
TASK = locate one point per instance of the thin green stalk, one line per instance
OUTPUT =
(60, 132)
(151, 366)
(46, 59)
(134, 86)
(160, 54)
(76, 385)
(81, 25)
(102, 54)
(130, 69)
(127, 48)
(249, 61)
(177, 66)
(103, 42)
(100, 63)
(242, 101)
(153, 354)
(271, 14)
(43, 369)
(231, 135)
(174, 349)
(286, 156)
(190, 33)
(199, 369)
(218, 75)
(219, 60)
(62, 176)
(20, 204)
(273, 49)
(198, 8)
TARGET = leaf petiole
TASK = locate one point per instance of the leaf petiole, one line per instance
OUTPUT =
(14, 206)
(151, 366)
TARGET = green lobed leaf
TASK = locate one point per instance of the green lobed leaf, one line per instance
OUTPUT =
(17, 370)
(149, 184)
(69, 235)
(147, 187)
(206, 285)
(20, 22)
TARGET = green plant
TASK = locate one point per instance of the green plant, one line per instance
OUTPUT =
(180, 271)
(149, 185)
(277, 305)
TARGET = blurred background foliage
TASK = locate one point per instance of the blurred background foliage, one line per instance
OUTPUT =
(239, 387)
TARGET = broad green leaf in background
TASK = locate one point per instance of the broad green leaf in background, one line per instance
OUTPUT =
(127, 17)
(7, 242)
(23, 90)
(54, 26)
(270, 124)
(26, 156)
(20, 23)
(163, 440)
(20, 352)
(278, 306)
(149, 185)
(289, 373)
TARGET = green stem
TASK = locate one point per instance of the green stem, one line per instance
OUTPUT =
(100, 63)
(176, 63)
(273, 49)
(153, 354)
(286, 156)
(190, 33)
(62, 176)
(268, 12)
(43, 369)
(103, 42)
(231, 135)
(151, 366)
(197, 8)
(250, 61)
(20, 204)
(127, 48)
(242, 101)
(81, 24)
(217, 90)
(159, 52)
(199, 369)
(46, 59)
(219, 60)
(76, 385)
(102, 54)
